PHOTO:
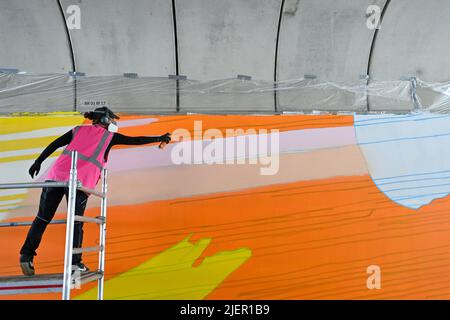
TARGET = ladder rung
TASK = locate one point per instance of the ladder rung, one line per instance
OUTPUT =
(88, 249)
(91, 191)
(41, 283)
(28, 185)
(27, 223)
(98, 220)
(86, 277)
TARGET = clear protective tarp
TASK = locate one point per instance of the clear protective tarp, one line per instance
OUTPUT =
(36, 93)
(134, 95)
(434, 97)
(21, 92)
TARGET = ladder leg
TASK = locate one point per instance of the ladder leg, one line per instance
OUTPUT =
(101, 257)
(67, 277)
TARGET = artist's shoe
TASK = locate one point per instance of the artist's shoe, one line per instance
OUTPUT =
(79, 267)
(26, 263)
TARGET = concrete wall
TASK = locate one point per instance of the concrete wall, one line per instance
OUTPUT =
(413, 41)
(32, 37)
(118, 37)
(220, 39)
(326, 38)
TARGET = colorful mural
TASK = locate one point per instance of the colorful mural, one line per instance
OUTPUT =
(350, 192)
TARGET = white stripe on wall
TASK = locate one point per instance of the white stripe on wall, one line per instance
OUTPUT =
(35, 133)
(22, 152)
(9, 202)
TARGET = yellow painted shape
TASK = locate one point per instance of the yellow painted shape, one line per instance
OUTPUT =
(31, 143)
(170, 275)
(13, 197)
(10, 125)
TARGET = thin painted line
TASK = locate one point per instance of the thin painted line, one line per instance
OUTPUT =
(383, 118)
(418, 187)
(414, 180)
(412, 175)
(409, 120)
(405, 139)
(443, 194)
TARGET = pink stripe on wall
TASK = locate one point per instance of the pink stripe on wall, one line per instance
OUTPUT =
(290, 141)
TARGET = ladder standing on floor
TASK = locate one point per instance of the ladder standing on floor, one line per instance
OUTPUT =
(51, 283)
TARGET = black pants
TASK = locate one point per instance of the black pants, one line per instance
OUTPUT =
(50, 199)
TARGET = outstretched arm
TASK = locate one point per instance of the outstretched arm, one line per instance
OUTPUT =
(52, 147)
(122, 139)
(127, 140)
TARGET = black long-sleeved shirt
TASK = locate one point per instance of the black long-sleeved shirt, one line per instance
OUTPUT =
(117, 138)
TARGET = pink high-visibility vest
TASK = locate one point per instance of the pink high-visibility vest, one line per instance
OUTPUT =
(91, 142)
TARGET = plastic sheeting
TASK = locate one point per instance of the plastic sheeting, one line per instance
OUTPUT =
(63, 92)
(434, 97)
(36, 93)
(310, 95)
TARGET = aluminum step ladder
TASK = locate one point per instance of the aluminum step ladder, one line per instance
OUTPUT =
(66, 281)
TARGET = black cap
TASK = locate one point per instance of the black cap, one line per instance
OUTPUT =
(107, 111)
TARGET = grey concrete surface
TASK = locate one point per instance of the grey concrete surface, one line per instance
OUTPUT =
(118, 36)
(218, 39)
(32, 37)
(413, 40)
(326, 38)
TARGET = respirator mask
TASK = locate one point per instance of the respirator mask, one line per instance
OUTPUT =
(112, 127)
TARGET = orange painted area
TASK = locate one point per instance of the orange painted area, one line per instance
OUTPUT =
(309, 240)
(224, 122)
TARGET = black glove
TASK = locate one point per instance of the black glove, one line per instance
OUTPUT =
(165, 138)
(34, 169)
